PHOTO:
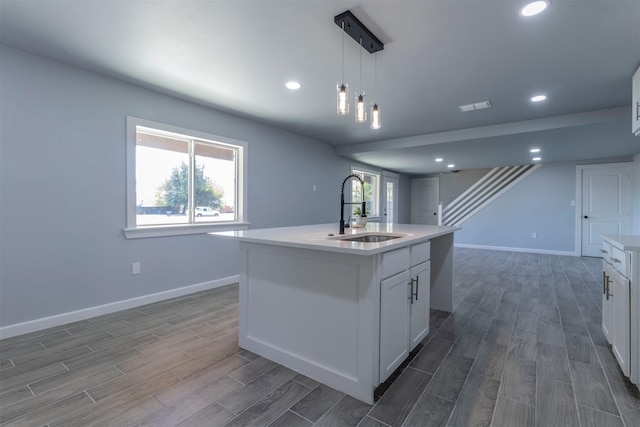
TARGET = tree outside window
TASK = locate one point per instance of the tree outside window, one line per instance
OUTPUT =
(182, 180)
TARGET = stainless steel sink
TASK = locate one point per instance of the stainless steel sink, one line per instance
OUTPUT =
(371, 238)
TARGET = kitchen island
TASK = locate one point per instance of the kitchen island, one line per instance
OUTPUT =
(344, 312)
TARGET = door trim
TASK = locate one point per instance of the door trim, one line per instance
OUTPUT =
(578, 201)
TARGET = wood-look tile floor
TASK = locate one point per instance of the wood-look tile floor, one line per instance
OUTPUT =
(523, 348)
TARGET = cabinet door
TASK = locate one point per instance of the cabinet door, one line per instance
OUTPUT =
(394, 323)
(607, 302)
(635, 107)
(621, 321)
(420, 302)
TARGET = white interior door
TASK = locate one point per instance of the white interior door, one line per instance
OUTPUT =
(605, 204)
(390, 198)
(425, 196)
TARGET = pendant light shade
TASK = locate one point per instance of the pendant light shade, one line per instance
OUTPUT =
(343, 99)
(375, 117)
(343, 88)
(361, 109)
(375, 109)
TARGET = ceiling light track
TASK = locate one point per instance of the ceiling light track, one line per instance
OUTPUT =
(358, 31)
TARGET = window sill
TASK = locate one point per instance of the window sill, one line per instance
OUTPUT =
(181, 230)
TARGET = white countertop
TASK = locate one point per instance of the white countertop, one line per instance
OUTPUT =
(624, 242)
(322, 237)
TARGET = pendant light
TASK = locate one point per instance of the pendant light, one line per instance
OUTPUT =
(369, 42)
(375, 109)
(343, 88)
(375, 117)
(361, 110)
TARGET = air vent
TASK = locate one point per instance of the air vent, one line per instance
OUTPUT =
(475, 106)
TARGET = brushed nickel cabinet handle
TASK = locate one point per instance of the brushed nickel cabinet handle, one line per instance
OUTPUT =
(616, 260)
(603, 251)
(604, 280)
(417, 286)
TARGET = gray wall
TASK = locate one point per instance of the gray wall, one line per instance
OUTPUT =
(540, 203)
(454, 184)
(404, 199)
(62, 198)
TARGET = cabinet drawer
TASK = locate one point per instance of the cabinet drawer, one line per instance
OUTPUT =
(395, 261)
(420, 253)
(620, 260)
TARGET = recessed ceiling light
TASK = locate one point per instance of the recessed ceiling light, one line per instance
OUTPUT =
(534, 150)
(293, 85)
(538, 98)
(534, 8)
(439, 159)
(537, 159)
(451, 165)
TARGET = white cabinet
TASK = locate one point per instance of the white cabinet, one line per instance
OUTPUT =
(419, 303)
(394, 323)
(635, 110)
(607, 302)
(620, 303)
(404, 304)
(621, 321)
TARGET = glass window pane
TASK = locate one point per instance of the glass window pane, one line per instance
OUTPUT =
(215, 183)
(371, 190)
(356, 197)
(371, 194)
(390, 213)
(161, 179)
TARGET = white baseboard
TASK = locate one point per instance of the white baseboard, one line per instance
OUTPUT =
(526, 250)
(86, 313)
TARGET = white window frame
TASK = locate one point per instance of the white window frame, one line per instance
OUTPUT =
(133, 231)
(378, 175)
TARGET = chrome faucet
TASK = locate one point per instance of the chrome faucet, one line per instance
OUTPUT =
(342, 203)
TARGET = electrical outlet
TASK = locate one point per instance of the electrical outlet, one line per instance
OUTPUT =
(534, 235)
(135, 268)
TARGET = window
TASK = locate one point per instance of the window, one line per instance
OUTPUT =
(371, 192)
(181, 181)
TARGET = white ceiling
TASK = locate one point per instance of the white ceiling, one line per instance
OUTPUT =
(236, 56)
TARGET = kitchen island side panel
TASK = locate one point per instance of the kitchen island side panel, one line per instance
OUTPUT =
(442, 273)
(313, 312)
